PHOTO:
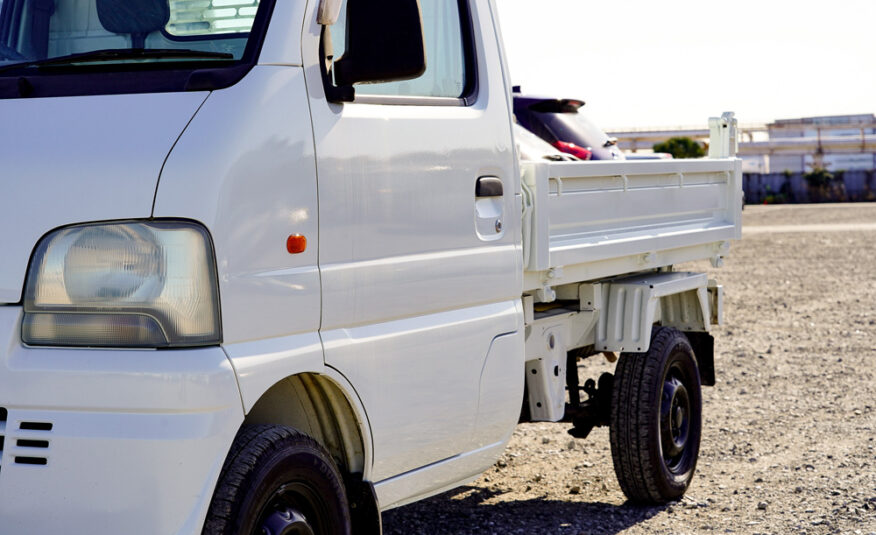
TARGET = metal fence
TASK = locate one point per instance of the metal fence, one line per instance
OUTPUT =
(780, 188)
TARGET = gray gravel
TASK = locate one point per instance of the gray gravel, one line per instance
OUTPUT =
(789, 441)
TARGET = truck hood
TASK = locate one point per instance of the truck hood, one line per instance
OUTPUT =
(79, 159)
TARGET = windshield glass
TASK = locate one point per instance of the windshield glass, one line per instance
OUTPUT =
(35, 33)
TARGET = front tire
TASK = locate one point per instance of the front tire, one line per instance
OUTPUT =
(278, 481)
(656, 419)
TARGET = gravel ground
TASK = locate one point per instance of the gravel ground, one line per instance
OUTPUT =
(789, 432)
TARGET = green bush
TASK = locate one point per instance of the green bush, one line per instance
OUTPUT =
(681, 147)
(824, 186)
(819, 177)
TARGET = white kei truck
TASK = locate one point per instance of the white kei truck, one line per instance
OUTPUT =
(273, 267)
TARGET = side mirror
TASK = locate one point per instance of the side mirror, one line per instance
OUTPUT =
(384, 42)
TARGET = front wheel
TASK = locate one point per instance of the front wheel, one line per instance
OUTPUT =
(656, 419)
(277, 481)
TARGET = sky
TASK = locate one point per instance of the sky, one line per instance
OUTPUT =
(644, 63)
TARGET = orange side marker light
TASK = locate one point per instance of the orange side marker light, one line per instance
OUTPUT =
(296, 244)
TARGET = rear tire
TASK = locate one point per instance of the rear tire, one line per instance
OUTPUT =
(656, 419)
(277, 480)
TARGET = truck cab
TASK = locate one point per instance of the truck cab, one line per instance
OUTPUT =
(275, 265)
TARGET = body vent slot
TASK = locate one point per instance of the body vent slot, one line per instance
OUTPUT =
(31, 460)
(35, 426)
(26, 443)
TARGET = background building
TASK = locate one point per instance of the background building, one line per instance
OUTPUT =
(837, 158)
(836, 142)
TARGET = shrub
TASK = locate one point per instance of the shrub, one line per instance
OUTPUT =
(681, 147)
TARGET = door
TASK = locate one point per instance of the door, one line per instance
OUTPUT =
(419, 272)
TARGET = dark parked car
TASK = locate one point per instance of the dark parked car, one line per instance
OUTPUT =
(559, 122)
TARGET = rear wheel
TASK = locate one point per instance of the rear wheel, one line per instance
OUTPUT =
(656, 419)
(277, 481)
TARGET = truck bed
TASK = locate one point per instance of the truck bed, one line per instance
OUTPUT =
(589, 220)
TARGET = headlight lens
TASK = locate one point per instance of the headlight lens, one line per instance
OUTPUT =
(149, 284)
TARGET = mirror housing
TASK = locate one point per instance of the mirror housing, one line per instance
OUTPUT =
(384, 43)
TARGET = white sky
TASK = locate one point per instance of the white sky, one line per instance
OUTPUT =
(640, 63)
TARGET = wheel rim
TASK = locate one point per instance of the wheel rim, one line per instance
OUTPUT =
(286, 522)
(675, 422)
(294, 509)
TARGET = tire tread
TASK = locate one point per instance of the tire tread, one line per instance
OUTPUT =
(632, 416)
(252, 443)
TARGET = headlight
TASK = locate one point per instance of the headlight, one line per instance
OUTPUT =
(150, 284)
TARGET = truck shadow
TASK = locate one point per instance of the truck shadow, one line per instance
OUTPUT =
(445, 514)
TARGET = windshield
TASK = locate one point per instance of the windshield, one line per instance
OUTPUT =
(55, 37)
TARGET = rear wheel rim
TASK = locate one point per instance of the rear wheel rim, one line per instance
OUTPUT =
(676, 418)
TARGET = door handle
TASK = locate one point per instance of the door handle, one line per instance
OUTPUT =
(489, 186)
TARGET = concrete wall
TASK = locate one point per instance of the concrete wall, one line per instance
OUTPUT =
(794, 188)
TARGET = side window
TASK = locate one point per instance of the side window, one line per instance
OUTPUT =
(444, 33)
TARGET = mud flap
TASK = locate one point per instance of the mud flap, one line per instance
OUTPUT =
(703, 345)
(364, 510)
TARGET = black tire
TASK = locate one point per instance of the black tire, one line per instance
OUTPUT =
(274, 479)
(656, 419)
